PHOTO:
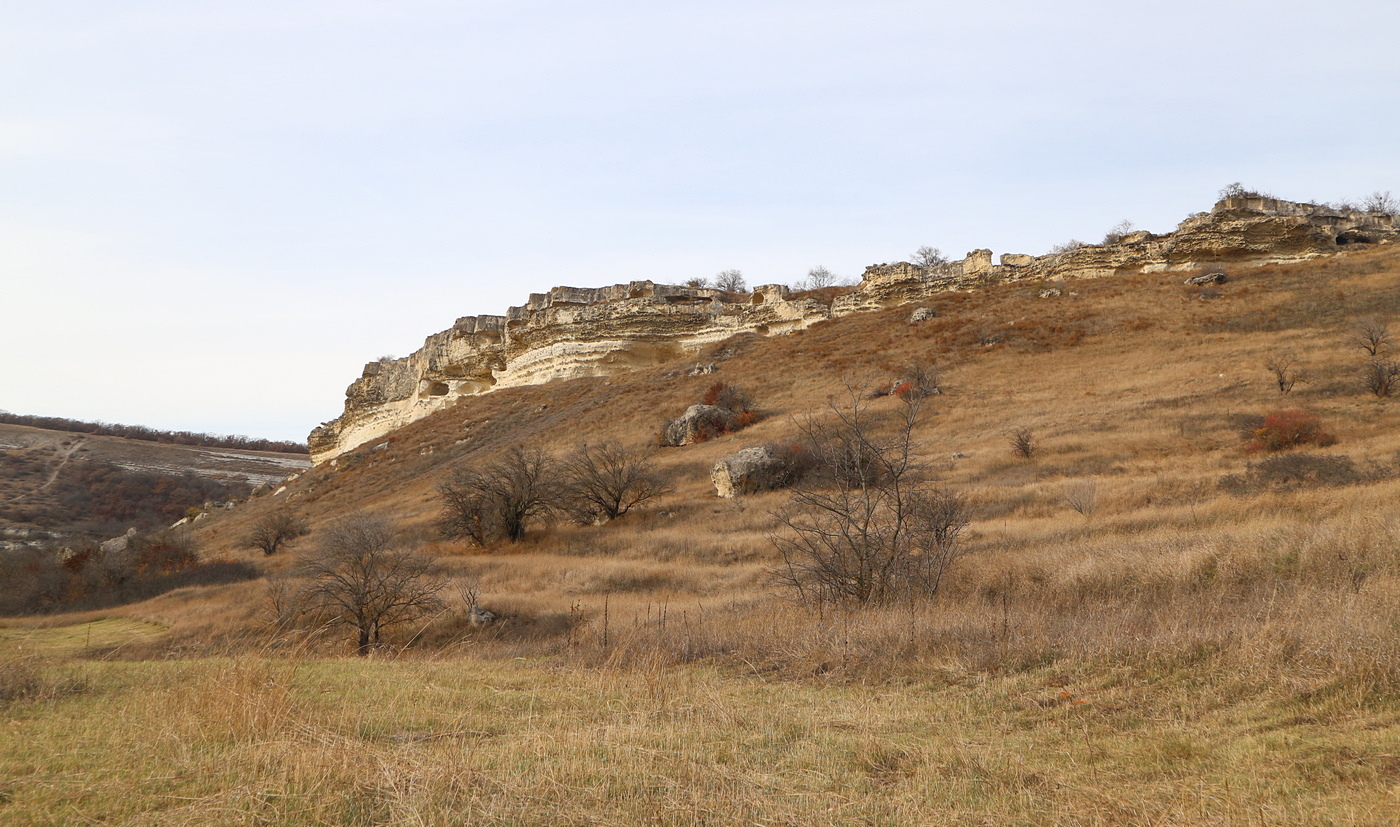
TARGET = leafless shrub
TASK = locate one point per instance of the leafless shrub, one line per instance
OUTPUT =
(1380, 376)
(866, 529)
(1082, 496)
(817, 278)
(731, 281)
(276, 530)
(1072, 244)
(1283, 367)
(1382, 202)
(1118, 231)
(1238, 190)
(605, 481)
(499, 499)
(1023, 443)
(1372, 334)
(929, 257)
(699, 283)
(360, 578)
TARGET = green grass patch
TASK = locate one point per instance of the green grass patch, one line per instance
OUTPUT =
(62, 641)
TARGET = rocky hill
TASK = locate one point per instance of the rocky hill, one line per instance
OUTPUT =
(572, 332)
(61, 483)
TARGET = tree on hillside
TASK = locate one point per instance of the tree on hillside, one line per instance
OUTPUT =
(275, 530)
(499, 498)
(605, 481)
(866, 527)
(1372, 334)
(927, 256)
(731, 281)
(360, 577)
(819, 277)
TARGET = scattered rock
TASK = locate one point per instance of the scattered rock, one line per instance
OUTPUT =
(922, 314)
(702, 369)
(697, 418)
(749, 471)
(117, 545)
(1052, 293)
(480, 617)
(1208, 278)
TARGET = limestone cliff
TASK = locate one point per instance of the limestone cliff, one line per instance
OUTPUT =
(570, 332)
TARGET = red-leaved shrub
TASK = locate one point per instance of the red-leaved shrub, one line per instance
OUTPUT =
(1282, 430)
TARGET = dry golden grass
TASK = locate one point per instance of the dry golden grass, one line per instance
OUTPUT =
(1237, 653)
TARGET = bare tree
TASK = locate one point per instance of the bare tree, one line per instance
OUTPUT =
(819, 277)
(1380, 376)
(1116, 233)
(698, 282)
(731, 281)
(866, 528)
(1372, 334)
(276, 529)
(361, 578)
(1023, 443)
(927, 256)
(499, 498)
(1082, 496)
(1283, 367)
(1381, 202)
(605, 481)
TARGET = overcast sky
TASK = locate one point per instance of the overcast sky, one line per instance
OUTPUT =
(213, 213)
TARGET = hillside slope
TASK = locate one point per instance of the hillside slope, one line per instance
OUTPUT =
(1140, 386)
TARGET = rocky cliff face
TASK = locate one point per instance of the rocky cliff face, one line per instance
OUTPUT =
(570, 332)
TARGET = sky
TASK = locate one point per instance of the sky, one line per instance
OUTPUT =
(212, 213)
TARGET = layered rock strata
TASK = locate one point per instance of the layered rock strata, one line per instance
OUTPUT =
(571, 332)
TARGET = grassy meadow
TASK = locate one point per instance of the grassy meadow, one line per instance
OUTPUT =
(1149, 625)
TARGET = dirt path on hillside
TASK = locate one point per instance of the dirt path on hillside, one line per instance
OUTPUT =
(53, 475)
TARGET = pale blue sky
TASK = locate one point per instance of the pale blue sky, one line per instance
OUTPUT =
(213, 213)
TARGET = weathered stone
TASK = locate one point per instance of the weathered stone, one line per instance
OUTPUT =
(922, 314)
(697, 420)
(1052, 293)
(1208, 278)
(1016, 260)
(747, 472)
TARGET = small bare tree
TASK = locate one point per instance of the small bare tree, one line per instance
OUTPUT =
(1382, 202)
(731, 281)
(361, 578)
(927, 256)
(865, 528)
(1372, 334)
(1023, 443)
(605, 481)
(275, 530)
(1118, 231)
(1283, 366)
(1082, 496)
(1380, 376)
(819, 277)
(699, 282)
(499, 498)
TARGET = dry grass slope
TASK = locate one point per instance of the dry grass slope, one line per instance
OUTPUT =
(1179, 651)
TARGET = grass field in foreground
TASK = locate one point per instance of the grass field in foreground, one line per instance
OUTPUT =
(254, 741)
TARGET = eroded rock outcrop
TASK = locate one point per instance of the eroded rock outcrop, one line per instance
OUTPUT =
(570, 332)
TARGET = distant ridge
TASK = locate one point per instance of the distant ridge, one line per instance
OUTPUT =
(245, 443)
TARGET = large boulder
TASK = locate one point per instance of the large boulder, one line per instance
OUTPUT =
(698, 423)
(747, 472)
